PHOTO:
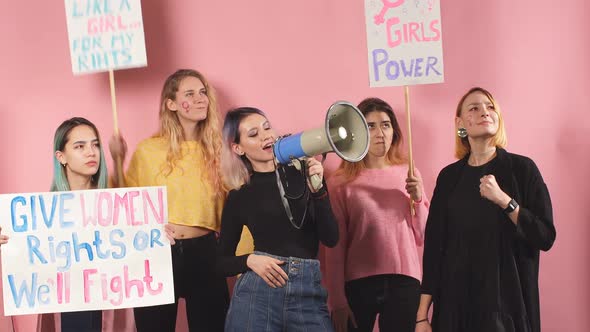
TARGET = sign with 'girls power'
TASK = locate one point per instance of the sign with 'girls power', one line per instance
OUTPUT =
(105, 35)
(404, 40)
(85, 250)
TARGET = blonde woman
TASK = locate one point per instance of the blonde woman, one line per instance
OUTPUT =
(489, 218)
(184, 156)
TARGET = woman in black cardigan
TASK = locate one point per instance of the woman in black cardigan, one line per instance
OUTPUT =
(490, 215)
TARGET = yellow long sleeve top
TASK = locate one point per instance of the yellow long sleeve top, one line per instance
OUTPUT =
(191, 198)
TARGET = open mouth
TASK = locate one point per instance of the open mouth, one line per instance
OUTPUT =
(267, 146)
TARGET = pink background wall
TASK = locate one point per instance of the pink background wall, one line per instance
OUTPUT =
(293, 59)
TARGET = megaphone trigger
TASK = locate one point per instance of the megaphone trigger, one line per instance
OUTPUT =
(297, 164)
(315, 180)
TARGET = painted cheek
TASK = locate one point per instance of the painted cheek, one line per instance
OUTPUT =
(185, 106)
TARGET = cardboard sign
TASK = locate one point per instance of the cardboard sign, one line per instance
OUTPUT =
(404, 41)
(85, 250)
(105, 35)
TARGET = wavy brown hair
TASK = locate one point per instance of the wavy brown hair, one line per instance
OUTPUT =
(395, 155)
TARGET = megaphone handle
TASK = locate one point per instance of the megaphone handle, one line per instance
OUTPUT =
(316, 182)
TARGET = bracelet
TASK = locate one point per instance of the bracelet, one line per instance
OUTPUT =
(422, 320)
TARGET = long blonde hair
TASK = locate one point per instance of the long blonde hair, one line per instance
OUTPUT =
(462, 147)
(348, 170)
(208, 131)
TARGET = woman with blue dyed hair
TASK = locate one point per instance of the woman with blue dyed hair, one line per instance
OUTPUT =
(279, 287)
(79, 164)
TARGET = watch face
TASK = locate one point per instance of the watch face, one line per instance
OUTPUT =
(512, 205)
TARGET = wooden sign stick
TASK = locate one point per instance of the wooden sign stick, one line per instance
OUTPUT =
(118, 161)
(410, 157)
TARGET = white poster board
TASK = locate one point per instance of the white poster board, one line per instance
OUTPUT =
(85, 250)
(105, 35)
(404, 41)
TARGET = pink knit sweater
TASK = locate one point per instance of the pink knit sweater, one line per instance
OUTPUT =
(378, 235)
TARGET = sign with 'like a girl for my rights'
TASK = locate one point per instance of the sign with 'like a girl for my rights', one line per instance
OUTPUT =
(404, 41)
(85, 250)
(105, 35)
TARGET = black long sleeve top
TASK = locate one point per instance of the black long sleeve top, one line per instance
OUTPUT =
(505, 259)
(258, 206)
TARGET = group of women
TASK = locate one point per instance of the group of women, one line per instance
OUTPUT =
(489, 217)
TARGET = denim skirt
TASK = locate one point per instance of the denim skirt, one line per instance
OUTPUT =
(298, 306)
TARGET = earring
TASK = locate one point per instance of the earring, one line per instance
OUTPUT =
(64, 164)
(462, 132)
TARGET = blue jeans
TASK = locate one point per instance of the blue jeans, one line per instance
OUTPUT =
(81, 321)
(300, 305)
(205, 293)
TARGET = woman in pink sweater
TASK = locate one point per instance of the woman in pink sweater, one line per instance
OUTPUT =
(375, 268)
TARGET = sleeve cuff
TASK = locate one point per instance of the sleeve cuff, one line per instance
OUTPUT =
(320, 193)
(244, 263)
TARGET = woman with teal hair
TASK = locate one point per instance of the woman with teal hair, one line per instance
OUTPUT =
(78, 164)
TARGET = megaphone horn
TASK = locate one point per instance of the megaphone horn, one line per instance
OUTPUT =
(345, 132)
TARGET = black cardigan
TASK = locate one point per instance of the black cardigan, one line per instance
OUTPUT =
(520, 178)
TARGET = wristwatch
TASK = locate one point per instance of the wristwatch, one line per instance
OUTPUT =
(512, 205)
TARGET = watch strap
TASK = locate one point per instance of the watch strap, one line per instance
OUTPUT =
(512, 205)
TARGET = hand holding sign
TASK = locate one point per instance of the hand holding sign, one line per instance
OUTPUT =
(106, 35)
(3, 238)
(404, 42)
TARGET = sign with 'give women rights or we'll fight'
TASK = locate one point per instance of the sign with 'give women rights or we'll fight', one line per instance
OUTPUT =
(85, 250)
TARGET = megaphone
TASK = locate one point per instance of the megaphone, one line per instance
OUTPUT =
(345, 132)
